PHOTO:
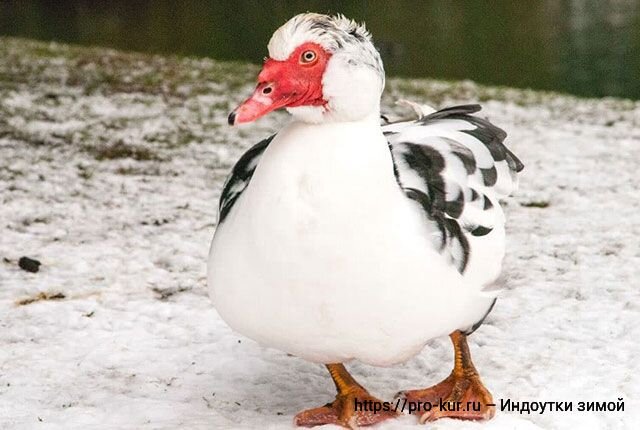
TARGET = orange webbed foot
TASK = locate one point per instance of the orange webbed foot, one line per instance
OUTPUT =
(353, 406)
(462, 397)
(343, 412)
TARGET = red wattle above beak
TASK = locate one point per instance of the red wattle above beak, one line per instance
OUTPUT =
(284, 84)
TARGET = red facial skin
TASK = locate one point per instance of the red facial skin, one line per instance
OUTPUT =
(296, 81)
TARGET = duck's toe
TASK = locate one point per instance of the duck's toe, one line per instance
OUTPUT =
(355, 409)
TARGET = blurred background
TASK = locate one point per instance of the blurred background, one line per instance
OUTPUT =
(584, 47)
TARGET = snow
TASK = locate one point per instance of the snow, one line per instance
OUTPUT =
(113, 186)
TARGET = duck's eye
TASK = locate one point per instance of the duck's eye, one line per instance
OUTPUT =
(308, 57)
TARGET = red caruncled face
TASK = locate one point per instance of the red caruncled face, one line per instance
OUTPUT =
(296, 81)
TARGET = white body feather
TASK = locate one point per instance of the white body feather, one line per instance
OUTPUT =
(324, 257)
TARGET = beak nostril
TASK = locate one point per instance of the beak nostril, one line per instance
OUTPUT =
(267, 90)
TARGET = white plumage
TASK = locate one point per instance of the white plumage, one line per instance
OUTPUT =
(342, 239)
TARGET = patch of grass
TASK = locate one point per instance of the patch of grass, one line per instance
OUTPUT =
(438, 92)
(540, 204)
(102, 70)
(40, 297)
(120, 149)
(27, 221)
(165, 293)
(127, 170)
(84, 172)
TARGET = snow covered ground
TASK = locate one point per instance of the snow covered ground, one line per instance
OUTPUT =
(110, 169)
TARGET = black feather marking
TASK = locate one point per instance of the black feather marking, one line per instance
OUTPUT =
(492, 136)
(322, 25)
(469, 162)
(421, 198)
(428, 163)
(474, 195)
(396, 173)
(455, 233)
(455, 207)
(425, 202)
(481, 231)
(487, 203)
(355, 33)
(454, 110)
(489, 176)
(464, 154)
(514, 162)
(450, 230)
(241, 174)
(488, 130)
(490, 139)
(479, 323)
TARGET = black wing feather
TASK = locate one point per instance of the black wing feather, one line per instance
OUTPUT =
(455, 198)
(240, 176)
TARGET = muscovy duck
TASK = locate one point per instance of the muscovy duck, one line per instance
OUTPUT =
(340, 238)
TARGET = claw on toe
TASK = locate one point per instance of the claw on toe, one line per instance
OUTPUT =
(343, 411)
(352, 408)
(462, 397)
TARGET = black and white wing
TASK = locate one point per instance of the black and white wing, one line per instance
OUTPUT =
(455, 165)
(240, 176)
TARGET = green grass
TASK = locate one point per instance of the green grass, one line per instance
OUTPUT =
(540, 204)
(106, 70)
(121, 149)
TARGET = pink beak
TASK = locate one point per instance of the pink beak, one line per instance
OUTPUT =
(264, 99)
(273, 92)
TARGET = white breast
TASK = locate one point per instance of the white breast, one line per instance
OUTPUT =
(325, 258)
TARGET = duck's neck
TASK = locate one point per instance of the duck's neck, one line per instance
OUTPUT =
(364, 133)
(327, 147)
(324, 166)
(323, 115)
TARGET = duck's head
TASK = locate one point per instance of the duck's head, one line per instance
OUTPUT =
(320, 68)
